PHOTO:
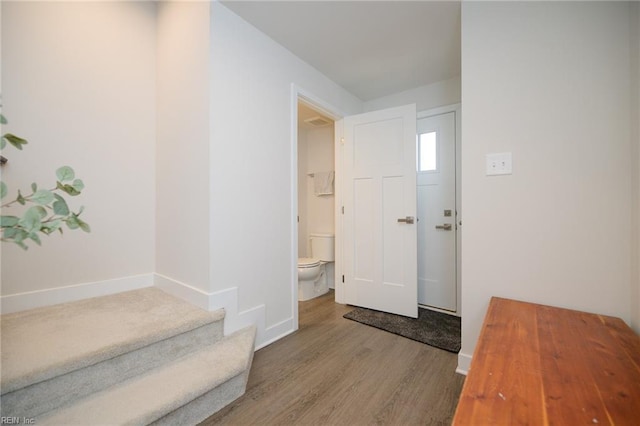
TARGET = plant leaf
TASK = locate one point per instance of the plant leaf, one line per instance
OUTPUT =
(42, 197)
(52, 226)
(14, 140)
(20, 235)
(65, 174)
(3, 189)
(84, 226)
(68, 189)
(60, 206)
(3, 120)
(32, 219)
(20, 198)
(72, 222)
(3, 143)
(9, 233)
(34, 187)
(35, 238)
(8, 221)
(78, 185)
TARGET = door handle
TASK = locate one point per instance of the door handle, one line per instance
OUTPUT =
(408, 219)
(446, 227)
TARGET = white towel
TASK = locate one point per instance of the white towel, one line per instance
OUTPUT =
(323, 183)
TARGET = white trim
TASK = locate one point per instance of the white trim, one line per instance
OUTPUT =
(182, 291)
(457, 109)
(293, 199)
(316, 103)
(340, 293)
(464, 363)
(227, 299)
(53, 296)
(439, 110)
(435, 309)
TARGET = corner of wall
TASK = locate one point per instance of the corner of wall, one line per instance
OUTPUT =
(227, 299)
(464, 363)
(53, 296)
(635, 155)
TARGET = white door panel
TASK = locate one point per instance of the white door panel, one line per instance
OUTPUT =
(436, 230)
(380, 253)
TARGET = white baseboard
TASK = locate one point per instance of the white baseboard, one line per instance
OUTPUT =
(227, 299)
(53, 296)
(464, 363)
(182, 291)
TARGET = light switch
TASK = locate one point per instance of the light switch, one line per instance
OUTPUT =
(499, 164)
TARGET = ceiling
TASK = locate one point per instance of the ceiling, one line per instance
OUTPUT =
(371, 48)
(309, 118)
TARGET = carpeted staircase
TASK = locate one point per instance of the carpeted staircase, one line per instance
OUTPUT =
(139, 357)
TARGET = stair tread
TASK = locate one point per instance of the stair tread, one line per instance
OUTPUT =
(46, 342)
(149, 397)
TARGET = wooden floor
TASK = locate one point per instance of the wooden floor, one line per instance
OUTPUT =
(334, 371)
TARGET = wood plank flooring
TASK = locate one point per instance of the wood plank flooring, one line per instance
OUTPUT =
(334, 371)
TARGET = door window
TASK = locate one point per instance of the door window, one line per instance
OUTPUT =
(427, 152)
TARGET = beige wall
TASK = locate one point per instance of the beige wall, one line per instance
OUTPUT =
(182, 159)
(550, 83)
(79, 83)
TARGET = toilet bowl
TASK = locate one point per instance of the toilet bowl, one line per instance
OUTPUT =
(312, 276)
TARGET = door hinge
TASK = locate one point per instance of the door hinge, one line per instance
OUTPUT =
(342, 209)
(343, 278)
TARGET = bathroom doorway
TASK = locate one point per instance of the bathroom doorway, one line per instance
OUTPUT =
(316, 180)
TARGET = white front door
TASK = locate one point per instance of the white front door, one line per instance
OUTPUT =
(380, 248)
(437, 212)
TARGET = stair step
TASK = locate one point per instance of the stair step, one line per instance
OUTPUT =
(55, 354)
(187, 390)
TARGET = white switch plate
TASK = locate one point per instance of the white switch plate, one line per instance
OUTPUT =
(499, 164)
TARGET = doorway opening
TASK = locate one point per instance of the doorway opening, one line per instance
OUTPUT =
(316, 202)
(439, 209)
(313, 164)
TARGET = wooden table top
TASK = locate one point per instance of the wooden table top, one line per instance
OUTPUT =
(541, 365)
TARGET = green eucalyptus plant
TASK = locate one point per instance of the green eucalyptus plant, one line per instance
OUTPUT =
(47, 210)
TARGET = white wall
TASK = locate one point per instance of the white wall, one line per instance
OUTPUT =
(317, 213)
(252, 164)
(433, 95)
(321, 158)
(549, 82)
(635, 137)
(182, 204)
(303, 168)
(79, 83)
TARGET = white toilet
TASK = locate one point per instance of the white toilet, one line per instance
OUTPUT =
(312, 271)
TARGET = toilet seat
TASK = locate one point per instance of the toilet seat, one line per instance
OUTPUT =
(308, 262)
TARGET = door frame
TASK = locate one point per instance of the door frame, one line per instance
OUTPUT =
(455, 108)
(298, 94)
(339, 131)
(317, 103)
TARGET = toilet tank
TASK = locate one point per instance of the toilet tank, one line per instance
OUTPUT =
(323, 247)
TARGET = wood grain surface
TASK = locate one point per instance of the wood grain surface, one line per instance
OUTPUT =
(334, 371)
(541, 365)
